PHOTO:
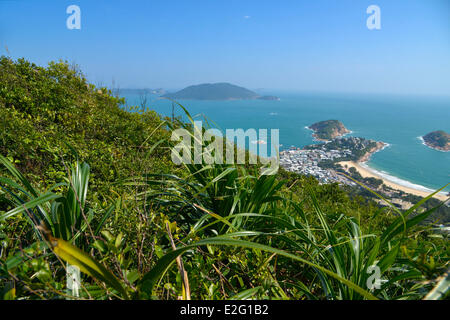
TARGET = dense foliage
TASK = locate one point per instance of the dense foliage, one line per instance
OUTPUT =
(438, 139)
(85, 183)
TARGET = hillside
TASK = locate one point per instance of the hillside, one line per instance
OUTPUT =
(439, 140)
(328, 129)
(216, 91)
(86, 183)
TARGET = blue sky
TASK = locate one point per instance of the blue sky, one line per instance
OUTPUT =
(320, 45)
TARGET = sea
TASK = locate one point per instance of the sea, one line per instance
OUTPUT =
(397, 120)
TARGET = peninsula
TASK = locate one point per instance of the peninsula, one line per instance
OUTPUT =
(328, 130)
(439, 140)
(216, 91)
(327, 161)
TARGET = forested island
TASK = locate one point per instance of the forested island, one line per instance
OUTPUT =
(328, 130)
(439, 140)
(217, 91)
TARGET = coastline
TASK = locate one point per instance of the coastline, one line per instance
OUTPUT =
(426, 144)
(367, 172)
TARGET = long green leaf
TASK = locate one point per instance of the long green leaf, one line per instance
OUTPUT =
(46, 197)
(88, 265)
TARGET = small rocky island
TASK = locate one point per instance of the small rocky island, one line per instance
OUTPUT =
(217, 91)
(322, 160)
(439, 140)
(328, 130)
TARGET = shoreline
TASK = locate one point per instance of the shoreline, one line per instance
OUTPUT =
(379, 146)
(366, 172)
(314, 135)
(316, 139)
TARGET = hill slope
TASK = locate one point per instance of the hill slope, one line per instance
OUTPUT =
(43, 108)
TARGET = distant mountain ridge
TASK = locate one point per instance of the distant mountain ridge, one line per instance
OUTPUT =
(217, 91)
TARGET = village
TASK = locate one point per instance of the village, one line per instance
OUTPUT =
(306, 162)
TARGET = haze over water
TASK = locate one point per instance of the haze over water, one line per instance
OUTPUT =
(397, 120)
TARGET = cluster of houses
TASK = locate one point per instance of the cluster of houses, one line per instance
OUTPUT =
(306, 162)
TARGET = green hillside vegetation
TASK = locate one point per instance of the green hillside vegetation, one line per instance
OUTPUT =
(85, 182)
(44, 109)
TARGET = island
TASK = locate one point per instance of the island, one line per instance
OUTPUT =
(268, 98)
(439, 140)
(216, 91)
(328, 130)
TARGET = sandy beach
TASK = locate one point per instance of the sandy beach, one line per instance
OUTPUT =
(367, 173)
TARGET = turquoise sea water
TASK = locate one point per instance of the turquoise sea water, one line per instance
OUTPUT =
(397, 120)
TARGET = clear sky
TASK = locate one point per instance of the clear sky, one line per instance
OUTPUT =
(314, 45)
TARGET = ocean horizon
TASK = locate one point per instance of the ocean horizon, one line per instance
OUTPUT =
(398, 120)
